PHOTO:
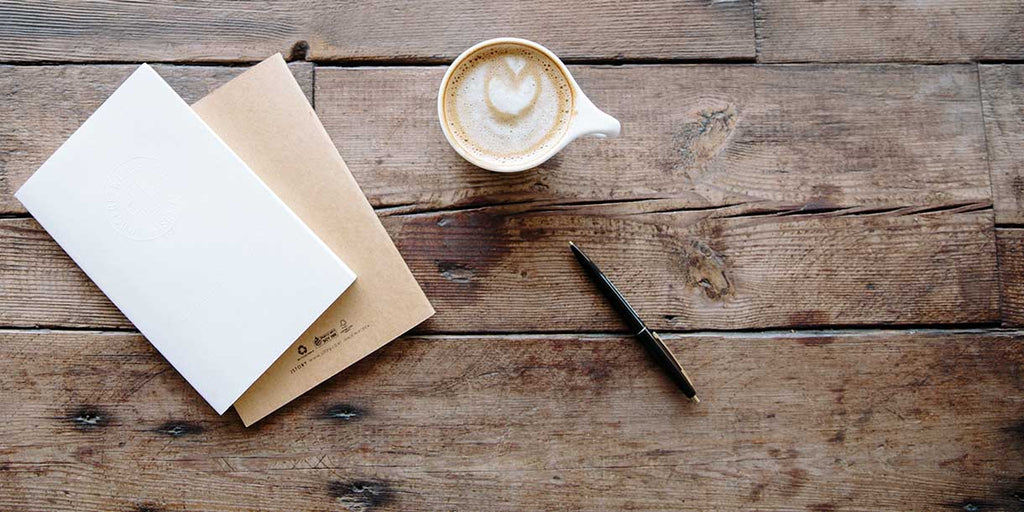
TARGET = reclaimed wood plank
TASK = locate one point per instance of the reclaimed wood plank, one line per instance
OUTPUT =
(713, 135)
(434, 30)
(889, 30)
(1002, 91)
(508, 269)
(868, 168)
(826, 420)
(1010, 243)
(499, 269)
(819, 136)
(44, 105)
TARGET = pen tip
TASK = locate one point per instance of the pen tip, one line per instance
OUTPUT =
(694, 399)
(571, 244)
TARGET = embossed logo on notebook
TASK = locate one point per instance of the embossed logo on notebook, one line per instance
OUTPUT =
(141, 204)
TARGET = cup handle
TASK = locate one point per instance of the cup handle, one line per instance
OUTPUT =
(591, 121)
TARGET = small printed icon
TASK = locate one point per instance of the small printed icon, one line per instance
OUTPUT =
(325, 337)
(302, 349)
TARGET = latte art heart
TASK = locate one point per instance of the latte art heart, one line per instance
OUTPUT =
(509, 94)
(507, 103)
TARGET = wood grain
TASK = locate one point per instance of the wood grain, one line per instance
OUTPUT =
(1002, 90)
(779, 136)
(434, 30)
(43, 287)
(508, 269)
(736, 143)
(43, 105)
(739, 197)
(877, 420)
(1010, 242)
(889, 30)
(782, 137)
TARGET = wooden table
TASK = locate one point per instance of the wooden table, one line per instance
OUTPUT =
(821, 203)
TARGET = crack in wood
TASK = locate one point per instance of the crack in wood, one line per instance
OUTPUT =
(752, 209)
(855, 211)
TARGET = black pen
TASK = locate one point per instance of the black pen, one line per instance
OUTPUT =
(650, 339)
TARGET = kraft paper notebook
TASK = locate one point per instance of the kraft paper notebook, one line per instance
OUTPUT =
(216, 272)
(265, 118)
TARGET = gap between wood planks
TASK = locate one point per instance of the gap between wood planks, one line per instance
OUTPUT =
(522, 207)
(440, 62)
(650, 205)
(809, 331)
(392, 62)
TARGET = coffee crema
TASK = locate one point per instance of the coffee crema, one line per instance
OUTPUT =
(507, 104)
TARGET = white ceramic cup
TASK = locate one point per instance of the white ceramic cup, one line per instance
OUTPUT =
(585, 119)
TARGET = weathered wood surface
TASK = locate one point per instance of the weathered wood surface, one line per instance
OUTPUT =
(1002, 90)
(739, 196)
(1010, 242)
(434, 30)
(43, 105)
(881, 136)
(889, 30)
(731, 141)
(508, 269)
(779, 136)
(812, 421)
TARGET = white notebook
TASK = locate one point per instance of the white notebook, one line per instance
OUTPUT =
(184, 238)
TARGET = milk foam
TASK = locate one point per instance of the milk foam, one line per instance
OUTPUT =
(507, 104)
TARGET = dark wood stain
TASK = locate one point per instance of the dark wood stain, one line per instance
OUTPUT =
(758, 491)
(455, 272)
(343, 412)
(1016, 430)
(790, 453)
(955, 460)
(838, 438)
(972, 505)
(299, 51)
(597, 371)
(179, 429)
(361, 495)
(821, 507)
(88, 418)
(797, 480)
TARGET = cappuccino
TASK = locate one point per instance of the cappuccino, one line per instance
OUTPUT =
(507, 104)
